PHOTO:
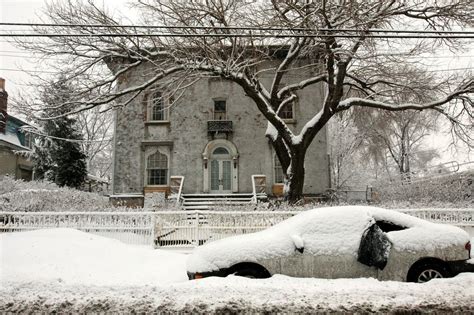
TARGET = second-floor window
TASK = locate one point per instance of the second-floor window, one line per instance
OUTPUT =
(287, 111)
(158, 108)
(220, 110)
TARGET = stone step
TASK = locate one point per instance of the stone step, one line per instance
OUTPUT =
(196, 208)
(211, 201)
(219, 195)
(216, 200)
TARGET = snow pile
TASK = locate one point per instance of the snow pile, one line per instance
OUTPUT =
(72, 257)
(230, 295)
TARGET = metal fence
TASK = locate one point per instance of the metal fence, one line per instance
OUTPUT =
(184, 228)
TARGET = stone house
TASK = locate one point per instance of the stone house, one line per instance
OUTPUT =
(13, 139)
(214, 136)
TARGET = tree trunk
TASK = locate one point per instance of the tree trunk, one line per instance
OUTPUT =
(295, 176)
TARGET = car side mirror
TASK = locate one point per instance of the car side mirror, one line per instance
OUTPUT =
(298, 242)
(374, 248)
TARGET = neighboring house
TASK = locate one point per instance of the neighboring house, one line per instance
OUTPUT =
(12, 139)
(213, 135)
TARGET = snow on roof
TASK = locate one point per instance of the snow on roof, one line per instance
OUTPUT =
(12, 139)
(323, 231)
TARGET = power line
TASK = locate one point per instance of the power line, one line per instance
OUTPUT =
(383, 55)
(28, 70)
(257, 28)
(237, 35)
(58, 72)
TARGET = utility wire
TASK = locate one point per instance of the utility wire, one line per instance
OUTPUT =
(36, 132)
(382, 55)
(257, 28)
(52, 72)
(238, 35)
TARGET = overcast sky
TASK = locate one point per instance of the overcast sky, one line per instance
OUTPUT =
(12, 60)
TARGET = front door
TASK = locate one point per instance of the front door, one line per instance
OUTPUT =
(221, 171)
(221, 176)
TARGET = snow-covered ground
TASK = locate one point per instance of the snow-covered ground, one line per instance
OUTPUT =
(65, 270)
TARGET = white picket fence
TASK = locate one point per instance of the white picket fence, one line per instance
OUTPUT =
(183, 228)
(128, 227)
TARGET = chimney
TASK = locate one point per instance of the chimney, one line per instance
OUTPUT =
(3, 106)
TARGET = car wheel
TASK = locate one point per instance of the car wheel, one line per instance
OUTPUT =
(426, 272)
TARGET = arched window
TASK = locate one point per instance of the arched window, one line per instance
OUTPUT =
(158, 110)
(157, 169)
(278, 170)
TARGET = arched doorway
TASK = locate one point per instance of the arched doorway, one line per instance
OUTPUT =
(220, 167)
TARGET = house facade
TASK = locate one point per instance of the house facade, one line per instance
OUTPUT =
(12, 140)
(213, 136)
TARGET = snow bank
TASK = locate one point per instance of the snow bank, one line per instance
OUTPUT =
(278, 294)
(72, 257)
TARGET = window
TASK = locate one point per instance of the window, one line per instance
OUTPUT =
(158, 111)
(28, 140)
(220, 110)
(278, 170)
(157, 169)
(287, 111)
(220, 151)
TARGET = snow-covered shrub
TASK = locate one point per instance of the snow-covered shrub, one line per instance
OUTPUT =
(35, 196)
(17, 195)
(449, 191)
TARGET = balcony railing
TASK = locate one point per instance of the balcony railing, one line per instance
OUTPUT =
(219, 126)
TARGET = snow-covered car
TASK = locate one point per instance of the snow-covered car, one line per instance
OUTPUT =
(340, 242)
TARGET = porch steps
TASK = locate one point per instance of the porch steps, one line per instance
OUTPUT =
(216, 201)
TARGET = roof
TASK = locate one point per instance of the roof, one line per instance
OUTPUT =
(13, 137)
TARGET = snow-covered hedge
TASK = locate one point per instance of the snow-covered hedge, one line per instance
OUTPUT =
(450, 191)
(17, 195)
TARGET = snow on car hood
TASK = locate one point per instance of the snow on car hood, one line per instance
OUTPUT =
(323, 231)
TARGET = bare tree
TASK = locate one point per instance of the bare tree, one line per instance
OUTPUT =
(96, 128)
(331, 42)
(345, 145)
(400, 136)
